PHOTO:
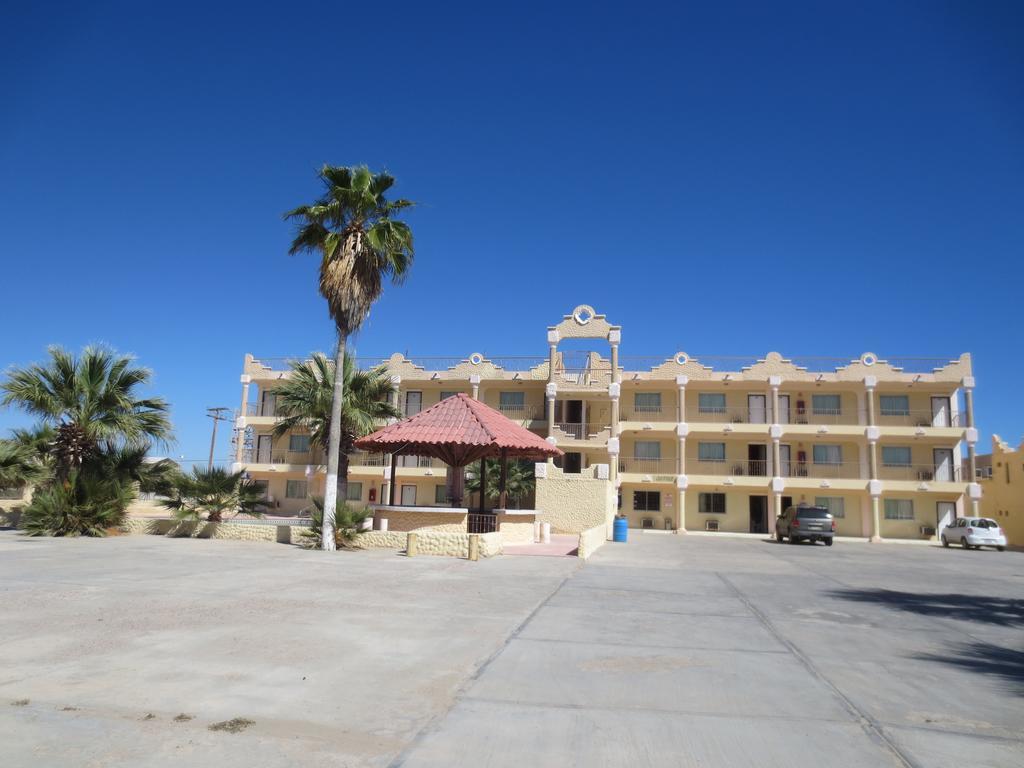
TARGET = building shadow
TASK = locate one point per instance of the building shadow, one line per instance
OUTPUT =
(984, 609)
(978, 657)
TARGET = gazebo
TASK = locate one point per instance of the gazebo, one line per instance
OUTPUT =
(460, 430)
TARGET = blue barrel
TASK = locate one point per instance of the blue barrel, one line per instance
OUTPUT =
(621, 530)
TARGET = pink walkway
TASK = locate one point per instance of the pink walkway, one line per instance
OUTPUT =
(560, 546)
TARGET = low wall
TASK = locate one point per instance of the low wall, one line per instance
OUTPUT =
(573, 503)
(440, 543)
(516, 528)
(453, 521)
(591, 540)
(10, 514)
(247, 531)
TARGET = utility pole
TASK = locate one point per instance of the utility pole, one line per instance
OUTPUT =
(217, 414)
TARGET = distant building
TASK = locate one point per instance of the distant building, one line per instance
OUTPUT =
(1001, 475)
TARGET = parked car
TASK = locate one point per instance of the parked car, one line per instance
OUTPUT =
(804, 522)
(974, 532)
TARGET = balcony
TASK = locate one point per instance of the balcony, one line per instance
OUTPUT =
(644, 466)
(261, 409)
(743, 468)
(366, 460)
(717, 415)
(597, 375)
(282, 457)
(923, 473)
(583, 431)
(648, 413)
(845, 470)
(522, 412)
(912, 418)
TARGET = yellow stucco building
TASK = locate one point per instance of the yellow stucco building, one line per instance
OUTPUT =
(1002, 486)
(674, 442)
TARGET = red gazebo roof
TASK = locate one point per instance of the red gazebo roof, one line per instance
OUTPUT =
(459, 430)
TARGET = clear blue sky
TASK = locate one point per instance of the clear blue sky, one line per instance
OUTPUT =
(807, 178)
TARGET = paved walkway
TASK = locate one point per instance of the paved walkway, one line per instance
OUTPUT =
(560, 546)
(687, 651)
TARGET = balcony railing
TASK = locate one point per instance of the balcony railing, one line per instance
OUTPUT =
(743, 468)
(366, 460)
(260, 409)
(418, 462)
(846, 470)
(915, 418)
(520, 412)
(281, 457)
(648, 413)
(919, 473)
(646, 466)
(591, 375)
(581, 431)
(726, 415)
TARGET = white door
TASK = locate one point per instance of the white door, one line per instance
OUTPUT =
(413, 403)
(783, 415)
(268, 402)
(757, 409)
(264, 443)
(943, 464)
(784, 461)
(408, 495)
(945, 511)
(940, 411)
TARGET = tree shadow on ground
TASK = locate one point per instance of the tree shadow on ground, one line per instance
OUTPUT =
(985, 609)
(983, 658)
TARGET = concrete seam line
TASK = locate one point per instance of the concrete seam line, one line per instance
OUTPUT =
(431, 725)
(647, 646)
(871, 726)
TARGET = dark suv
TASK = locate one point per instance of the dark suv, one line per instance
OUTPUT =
(811, 523)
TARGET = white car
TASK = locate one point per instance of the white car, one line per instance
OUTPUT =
(974, 532)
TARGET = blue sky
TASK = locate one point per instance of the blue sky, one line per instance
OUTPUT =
(809, 178)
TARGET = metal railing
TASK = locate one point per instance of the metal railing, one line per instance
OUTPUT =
(845, 470)
(366, 460)
(587, 377)
(647, 466)
(260, 409)
(919, 472)
(648, 413)
(742, 468)
(481, 523)
(726, 415)
(582, 431)
(522, 412)
(920, 418)
(418, 462)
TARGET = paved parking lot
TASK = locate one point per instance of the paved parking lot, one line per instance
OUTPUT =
(669, 650)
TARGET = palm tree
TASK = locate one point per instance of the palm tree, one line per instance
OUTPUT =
(348, 522)
(19, 466)
(213, 492)
(519, 482)
(304, 402)
(88, 400)
(360, 244)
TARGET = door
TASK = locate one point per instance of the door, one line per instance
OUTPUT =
(413, 403)
(759, 514)
(573, 411)
(784, 455)
(757, 409)
(757, 460)
(943, 458)
(945, 513)
(408, 495)
(268, 403)
(940, 412)
(572, 463)
(783, 415)
(264, 444)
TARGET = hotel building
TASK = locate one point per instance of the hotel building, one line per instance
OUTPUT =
(677, 442)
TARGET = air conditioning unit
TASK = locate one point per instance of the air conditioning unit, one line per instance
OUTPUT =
(710, 525)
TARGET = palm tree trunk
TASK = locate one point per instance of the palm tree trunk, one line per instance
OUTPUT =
(334, 447)
(343, 475)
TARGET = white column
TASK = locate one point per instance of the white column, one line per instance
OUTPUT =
(474, 383)
(614, 339)
(550, 392)
(681, 382)
(552, 353)
(242, 413)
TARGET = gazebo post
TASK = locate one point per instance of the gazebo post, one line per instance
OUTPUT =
(483, 483)
(503, 481)
(394, 466)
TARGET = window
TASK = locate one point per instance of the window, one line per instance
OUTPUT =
(895, 405)
(413, 403)
(446, 395)
(899, 509)
(711, 503)
(647, 449)
(441, 494)
(646, 501)
(828, 454)
(825, 405)
(298, 443)
(833, 504)
(647, 402)
(895, 455)
(711, 402)
(355, 492)
(511, 401)
(295, 489)
(262, 485)
(710, 451)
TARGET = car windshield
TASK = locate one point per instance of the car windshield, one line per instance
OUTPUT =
(987, 524)
(813, 512)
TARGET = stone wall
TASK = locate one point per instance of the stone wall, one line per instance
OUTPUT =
(431, 542)
(453, 522)
(381, 540)
(574, 503)
(516, 529)
(591, 540)
(255, 531)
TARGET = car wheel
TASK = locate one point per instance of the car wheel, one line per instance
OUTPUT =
(828, 541)
(945, 541)
(964, 544)
(1001, 549)
(793, 539)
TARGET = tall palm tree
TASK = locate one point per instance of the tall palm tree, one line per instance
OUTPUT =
(305, 399)
(88, 400)
(519, 482)
(360, 244)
